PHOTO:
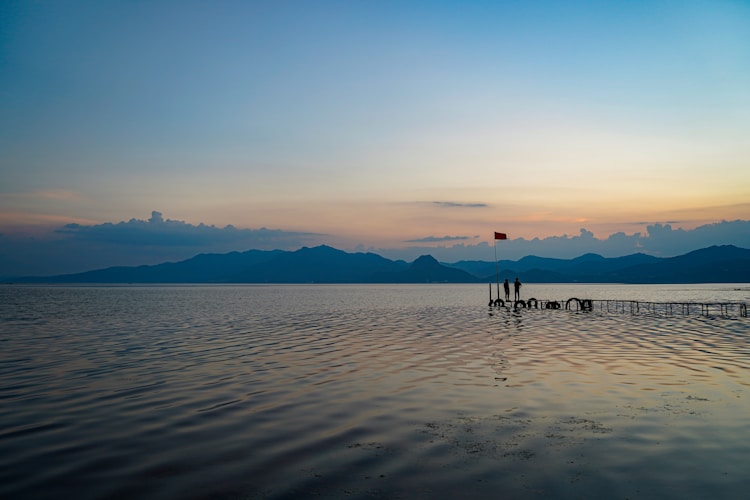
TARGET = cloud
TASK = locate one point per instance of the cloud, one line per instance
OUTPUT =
(57, 194)
(437, 239)
(80, 247)
(453, 204)
(158, 231)
(660, 240)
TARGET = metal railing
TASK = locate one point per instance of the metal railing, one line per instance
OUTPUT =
(726, 309)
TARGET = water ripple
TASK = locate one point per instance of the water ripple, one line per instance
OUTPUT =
(419, 392)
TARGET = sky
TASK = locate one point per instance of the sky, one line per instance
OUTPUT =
(140, 132)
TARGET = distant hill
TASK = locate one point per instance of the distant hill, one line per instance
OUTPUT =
(717, 264)
(558, 270)
(425, 270)
(203, 268)
(323, 264)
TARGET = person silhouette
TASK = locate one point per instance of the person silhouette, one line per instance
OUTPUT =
(506, 285)
(517, 288)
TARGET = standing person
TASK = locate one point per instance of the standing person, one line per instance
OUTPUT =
(517, 287)
(506, 285)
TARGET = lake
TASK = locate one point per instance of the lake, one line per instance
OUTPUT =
(369, 391)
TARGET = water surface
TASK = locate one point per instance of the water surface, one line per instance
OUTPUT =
(414, 391)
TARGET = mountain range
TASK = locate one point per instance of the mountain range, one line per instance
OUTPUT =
(323, 264)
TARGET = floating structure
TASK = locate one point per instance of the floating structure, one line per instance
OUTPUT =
(726, 309)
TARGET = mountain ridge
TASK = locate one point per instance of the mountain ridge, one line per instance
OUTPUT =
(325, 264)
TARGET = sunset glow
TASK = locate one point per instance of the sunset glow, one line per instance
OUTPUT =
(376, 125)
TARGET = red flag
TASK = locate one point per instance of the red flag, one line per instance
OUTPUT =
(501, 236)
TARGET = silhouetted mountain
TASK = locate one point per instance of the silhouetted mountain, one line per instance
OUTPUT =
(596, 265)
(481, 267)
(323, 264)
(716, 264)
(587, 264)
(425, 270)
(203, 268)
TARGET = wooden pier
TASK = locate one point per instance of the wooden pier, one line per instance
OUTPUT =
(725, 309)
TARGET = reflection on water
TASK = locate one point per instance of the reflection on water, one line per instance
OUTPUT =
(368, 391)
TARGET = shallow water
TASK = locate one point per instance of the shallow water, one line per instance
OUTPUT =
(415, 391)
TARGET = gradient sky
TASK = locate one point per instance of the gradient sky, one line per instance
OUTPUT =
(376, 124)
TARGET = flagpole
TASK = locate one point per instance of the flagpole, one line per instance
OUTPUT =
(497, 269)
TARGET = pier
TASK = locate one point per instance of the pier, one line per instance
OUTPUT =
(725, 309)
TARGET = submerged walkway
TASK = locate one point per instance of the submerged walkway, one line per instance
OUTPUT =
(630, 306)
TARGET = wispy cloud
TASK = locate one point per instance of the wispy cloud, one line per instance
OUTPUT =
(455, 204)
(439, 239)
(46, 194)
(57, 194)
(18, 218)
